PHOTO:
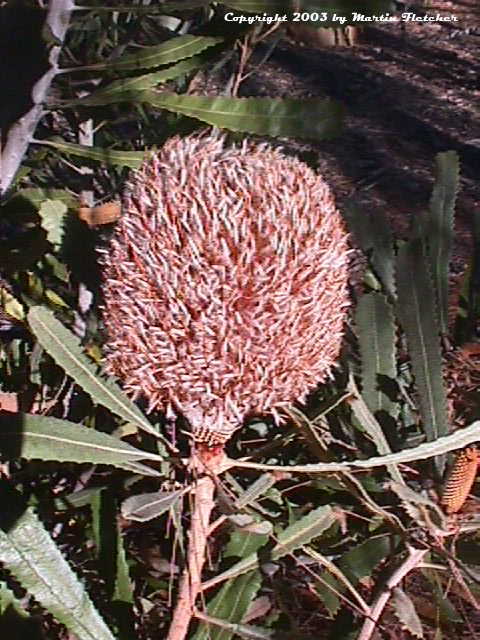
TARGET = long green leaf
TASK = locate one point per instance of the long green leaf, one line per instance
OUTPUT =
(230, 604)
(406, 613)
(174, 50)
(127, 89)
(110, 157)
(32, 557)
(458, 440)
(365, 557)
(146, 506)
(296, 535)
(35, 437)
(417, 314)
(312, 118)
(440, 229)
(370, 425)
(376, 340)
(373, 235)
(64, 347)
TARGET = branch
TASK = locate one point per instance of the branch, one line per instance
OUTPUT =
(414, 560)
(212, 463)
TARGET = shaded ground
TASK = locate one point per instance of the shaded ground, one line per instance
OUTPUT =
(410, 92)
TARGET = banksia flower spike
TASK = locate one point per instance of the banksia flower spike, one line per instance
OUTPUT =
(225, 283)
(460, 480)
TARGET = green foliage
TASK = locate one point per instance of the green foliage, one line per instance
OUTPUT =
(418, 316)
(439, 230)
(377, 344)
(30, 554)
(43, 438)
(323, 505)
(65, 349)
(263, 116)
(169, 52)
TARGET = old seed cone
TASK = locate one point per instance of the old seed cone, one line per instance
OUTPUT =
(225, 283)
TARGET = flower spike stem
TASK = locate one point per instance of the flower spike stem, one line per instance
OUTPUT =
(211, 463)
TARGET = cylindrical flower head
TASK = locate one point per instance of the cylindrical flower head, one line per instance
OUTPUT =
(225, 283)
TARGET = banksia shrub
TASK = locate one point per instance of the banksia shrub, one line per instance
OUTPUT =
(225, 283)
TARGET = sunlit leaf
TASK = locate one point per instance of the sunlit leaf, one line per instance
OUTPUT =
(173, 50)
(313, 118)
(146, 506)
(36, 437)
(52, 215)
(109, 157)
(64, 347)
(28, 552)
(406, 613)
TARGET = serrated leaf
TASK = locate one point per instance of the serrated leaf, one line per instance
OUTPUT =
(314, 118)
(333, 583)
(64, 347)
(109, 547)
(377, 343)
(406, 613)
(373, 235)
(109, 157)
(255, 490)
(248, 523)
(31, 556)
(230, 604)
(370, 425)
(417, 314)
(123, 589)
(11, 306)
(366, 556)
(38, 195)
(457, 440)
(242, 544)
(439, 229)
(8, 599)
(296, 535)
(327, 587)
(52, 214)
(146, 506)
(36, 437)
(175, 49)
(126, 89)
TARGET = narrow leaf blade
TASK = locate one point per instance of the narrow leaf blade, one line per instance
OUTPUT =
(296, 535)
(64, 347)
(440, 229)
(174, 50)
(29, 553)
(377, 342)
(146, 506)
(313, 118)
(417, 314)
(35, 437)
